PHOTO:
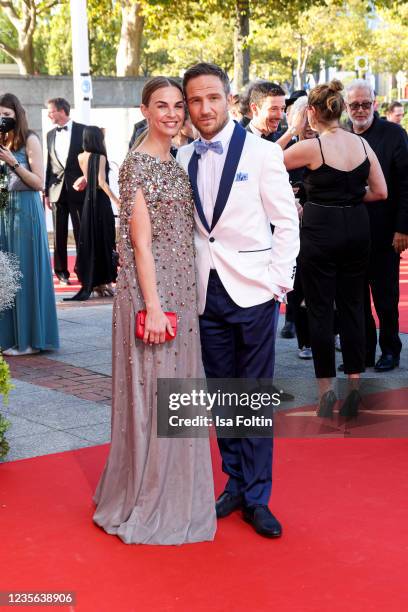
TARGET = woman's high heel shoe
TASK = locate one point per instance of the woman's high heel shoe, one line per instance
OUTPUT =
(326, 405)
(104, 291)
(349, 409)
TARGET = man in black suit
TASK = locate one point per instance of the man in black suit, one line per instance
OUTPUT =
(388, 224)
(64, 143)
(138, 128)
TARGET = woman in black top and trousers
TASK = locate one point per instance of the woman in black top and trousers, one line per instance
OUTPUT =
(341, 173)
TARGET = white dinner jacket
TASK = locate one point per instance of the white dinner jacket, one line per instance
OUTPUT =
(252, 263)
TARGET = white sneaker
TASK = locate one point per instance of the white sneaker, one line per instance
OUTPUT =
(305, 353)
(337, 343)
(11, 352)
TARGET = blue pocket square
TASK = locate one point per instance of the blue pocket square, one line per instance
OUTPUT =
(241, 176)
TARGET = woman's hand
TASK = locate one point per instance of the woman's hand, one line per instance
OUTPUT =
(156, 325)
(7, 156)
(400, 242)
(80, 184)
(299, 209)
(298, 121)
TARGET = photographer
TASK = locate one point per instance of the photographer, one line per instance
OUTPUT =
(31, 325)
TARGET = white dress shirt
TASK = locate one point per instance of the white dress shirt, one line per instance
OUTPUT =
(62, 143)
(255, 130)
(210, 167)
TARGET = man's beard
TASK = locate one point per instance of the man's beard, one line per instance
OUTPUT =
(363, 123)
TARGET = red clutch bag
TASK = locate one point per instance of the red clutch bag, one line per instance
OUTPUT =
(141, 319)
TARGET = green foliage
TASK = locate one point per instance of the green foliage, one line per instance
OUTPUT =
(53, 38)
(104, 22)
(389, 51)
(286, 36)
(5, 388)
(8, 35)
(186, 43)
(5, 384)
(53, 42)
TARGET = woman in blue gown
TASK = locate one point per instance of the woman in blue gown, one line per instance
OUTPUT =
(31, 325)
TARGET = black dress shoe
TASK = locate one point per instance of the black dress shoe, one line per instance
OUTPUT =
(386, 363)
(349, 409)
(81, 296)
(63, 278)
(284, 396)
(227, 503)
(326, 405)
(262, 520)
(288, 330)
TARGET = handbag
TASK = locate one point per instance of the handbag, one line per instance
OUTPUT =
(141, 320)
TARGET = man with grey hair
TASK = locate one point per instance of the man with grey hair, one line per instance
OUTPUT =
(388, 223)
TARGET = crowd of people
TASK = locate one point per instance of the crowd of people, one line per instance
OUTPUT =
(224, 215)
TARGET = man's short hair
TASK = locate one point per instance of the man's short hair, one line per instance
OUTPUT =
(207, 69)
(394, 105)
(60, 104)
(263, 90)
(360, 84)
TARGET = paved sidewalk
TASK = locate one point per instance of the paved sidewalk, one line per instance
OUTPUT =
(61, 400)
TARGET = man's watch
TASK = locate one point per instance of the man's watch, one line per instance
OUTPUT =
(14, 166)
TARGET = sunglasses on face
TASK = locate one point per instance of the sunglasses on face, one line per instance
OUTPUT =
(354, 106)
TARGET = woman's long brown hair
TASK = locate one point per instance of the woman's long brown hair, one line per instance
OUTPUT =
(17, 138)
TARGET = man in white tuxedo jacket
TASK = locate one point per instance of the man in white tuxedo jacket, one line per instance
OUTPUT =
(240, 187)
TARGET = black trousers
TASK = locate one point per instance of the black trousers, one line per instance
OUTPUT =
(61, 211)
(299, 311)
(334, 255)
(383, 280)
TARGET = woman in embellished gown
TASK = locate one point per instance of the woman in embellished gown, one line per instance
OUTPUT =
(155, 490)
(31, 325)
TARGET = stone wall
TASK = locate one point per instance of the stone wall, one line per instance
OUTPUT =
(34, 91)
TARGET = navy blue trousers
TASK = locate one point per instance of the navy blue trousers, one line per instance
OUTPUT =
(240, 343)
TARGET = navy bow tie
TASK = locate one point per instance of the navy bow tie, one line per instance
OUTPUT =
(64, 127)
(201, 147)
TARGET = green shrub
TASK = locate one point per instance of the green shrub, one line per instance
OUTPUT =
(5, 388)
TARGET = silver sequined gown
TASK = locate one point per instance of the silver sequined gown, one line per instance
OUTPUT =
(155, 490)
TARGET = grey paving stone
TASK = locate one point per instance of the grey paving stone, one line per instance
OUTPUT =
(44, 444)
(99, 433)
(58, 410)
(102, 368)
(23, 427)
(68, 346)
(22, 388)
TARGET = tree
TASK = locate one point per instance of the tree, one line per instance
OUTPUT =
(241, 46)
(130, 43)
(322, 35)
(389, 52)
(186, 42)
(22, 15)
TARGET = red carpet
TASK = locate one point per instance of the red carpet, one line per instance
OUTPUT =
(381, 415)
(342, 503)
(75, 284)
(403, 303)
